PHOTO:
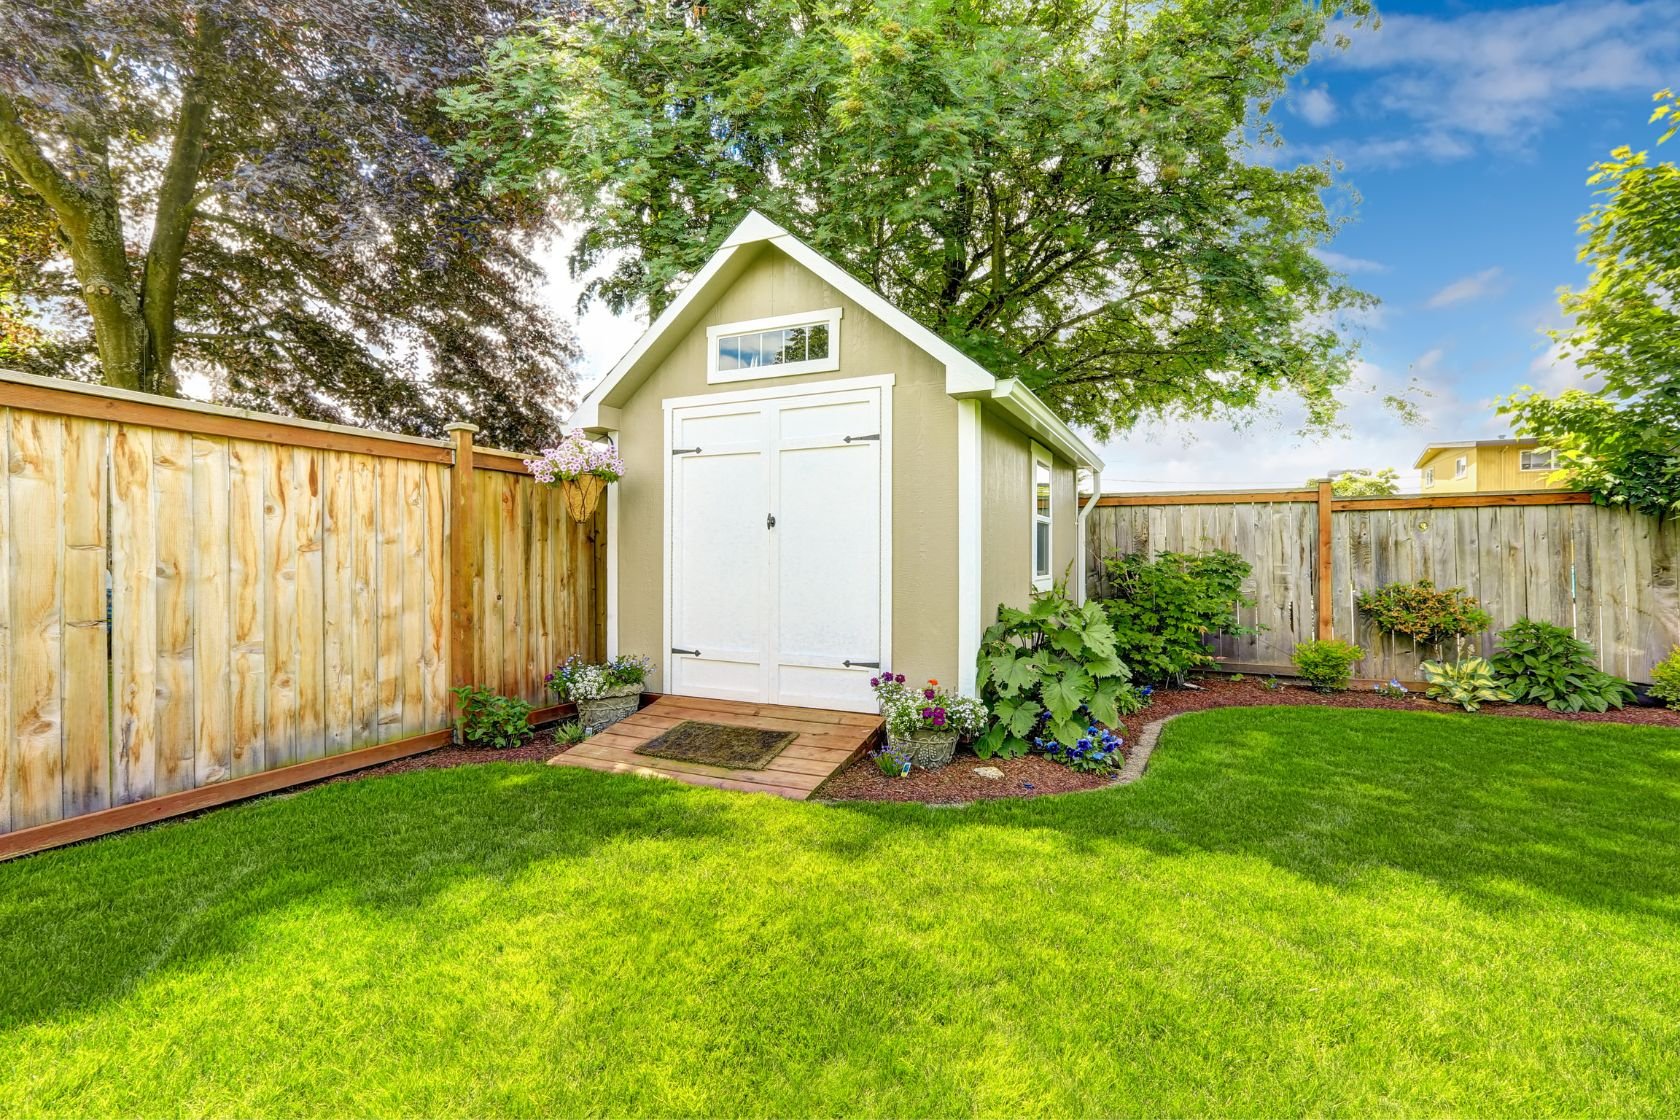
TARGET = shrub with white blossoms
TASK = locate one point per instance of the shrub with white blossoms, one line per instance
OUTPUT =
(575, 456)
(908, 709)
(577, 679)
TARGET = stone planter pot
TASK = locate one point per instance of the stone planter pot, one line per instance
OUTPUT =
(928, 750)
(604, 711)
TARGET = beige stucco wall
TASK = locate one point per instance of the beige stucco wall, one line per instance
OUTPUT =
(1006, 515)
(923, 469)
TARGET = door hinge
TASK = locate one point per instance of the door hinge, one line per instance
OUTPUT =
(860, 439)
(769, 521)
(685, 451)
(689, 652)
(861, 664)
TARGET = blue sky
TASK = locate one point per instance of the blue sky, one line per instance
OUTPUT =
(1468, 131)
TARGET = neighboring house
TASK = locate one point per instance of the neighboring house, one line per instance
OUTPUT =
(1486, 466)
(817, 485)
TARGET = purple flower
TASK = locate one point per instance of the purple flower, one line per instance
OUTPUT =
(927, 713)
(874, 682)
(928, 692)
(939, 719)
(939, 713)
(899, 678)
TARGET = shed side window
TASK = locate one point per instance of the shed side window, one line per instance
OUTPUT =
(1041, 520)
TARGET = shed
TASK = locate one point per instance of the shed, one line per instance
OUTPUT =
(817, 487)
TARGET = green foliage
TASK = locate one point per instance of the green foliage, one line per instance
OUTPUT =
(1421, 612)
(891, 763)
(1384, 483)
(1045, 669)
(1469, 683)
(1326, 663)
(1078, 193)
(1162, 609)
(1622, 441)
(1665, 679)
(1539, 663)
(490, 720)
(571, 733)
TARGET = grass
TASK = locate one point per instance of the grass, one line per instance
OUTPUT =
(1298, 910)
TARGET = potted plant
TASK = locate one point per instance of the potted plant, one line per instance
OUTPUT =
(924, 724)
(581, 468)
(604, 691)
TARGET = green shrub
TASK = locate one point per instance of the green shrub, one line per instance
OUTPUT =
(571, 733)
(1162, 609)
(1421, 612)
(1047, 670)
(489, 720)
(1469, 683)
(1326, 663)
(1665, 679)
(1539, 663)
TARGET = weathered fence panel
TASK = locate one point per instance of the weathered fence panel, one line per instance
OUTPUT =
(193, 600)
(1608, 574)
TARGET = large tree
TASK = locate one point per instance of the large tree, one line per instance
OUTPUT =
(1079, 192)
(1621, 440)
(263, 191)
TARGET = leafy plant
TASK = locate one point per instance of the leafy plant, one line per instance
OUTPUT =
(892, 763)
(1096, 751)
(1392, 689)
(491, 720)
(1540, 663)
(1366, 483)
(1469, 683)
(1272, 684)
(1043, 669)
(1162, 609)
(1424, 613)
(1665, 679)
(571, 733)
(577, 679)
(1326, 663)
(929, 708)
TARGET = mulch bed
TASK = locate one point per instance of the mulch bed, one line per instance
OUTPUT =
(541, 748)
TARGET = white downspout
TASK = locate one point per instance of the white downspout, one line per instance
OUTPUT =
(1080, 578)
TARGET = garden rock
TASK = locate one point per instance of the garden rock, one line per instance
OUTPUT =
(990, 773)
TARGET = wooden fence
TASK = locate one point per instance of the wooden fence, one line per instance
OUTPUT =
(198, 604)
(1607, 574)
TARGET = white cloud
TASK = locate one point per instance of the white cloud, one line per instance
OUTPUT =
(1314, 105)
(603, 337)
(1496, 79)
(1341, 262)
(1554, 371)
(1488, 282)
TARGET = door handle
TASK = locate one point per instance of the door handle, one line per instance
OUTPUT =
(861, 664)
(689, 652)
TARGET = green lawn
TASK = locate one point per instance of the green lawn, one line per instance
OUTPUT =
(1297, 910)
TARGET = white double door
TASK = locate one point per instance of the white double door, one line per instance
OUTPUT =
(777, 572)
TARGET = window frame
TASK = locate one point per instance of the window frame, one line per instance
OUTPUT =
(1428, 477)
(1041, 458)
(1461, 467)
(1524, 453)
(825, 317)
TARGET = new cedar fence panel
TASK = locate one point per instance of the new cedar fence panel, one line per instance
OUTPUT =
(199, 604)
(1607, 574)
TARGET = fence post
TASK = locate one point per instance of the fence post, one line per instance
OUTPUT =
(1324, 593)
(463, 557)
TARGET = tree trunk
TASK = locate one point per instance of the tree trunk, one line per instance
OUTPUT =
(119, 327)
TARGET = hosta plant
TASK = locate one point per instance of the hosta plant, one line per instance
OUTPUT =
(1540, 663)
(1469, 683)
(1050, 671)
(1665, 679)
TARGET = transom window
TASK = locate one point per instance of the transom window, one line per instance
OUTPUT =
(1540, 459)
(780, 346)
(1042, 517)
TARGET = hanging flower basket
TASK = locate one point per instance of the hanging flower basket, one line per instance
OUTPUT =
(581, 468)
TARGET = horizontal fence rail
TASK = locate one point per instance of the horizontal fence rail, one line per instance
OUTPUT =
(1607, 574)
(198, 603)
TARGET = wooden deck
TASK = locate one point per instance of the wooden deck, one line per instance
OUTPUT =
(827, 742)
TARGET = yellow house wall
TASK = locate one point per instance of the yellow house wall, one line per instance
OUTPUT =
(1006, 515)
(1492, 470)
(923, 468)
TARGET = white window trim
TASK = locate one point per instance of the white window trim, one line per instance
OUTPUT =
(1552, 466)
(1045, 581)
(1461, 467)
(829, 317)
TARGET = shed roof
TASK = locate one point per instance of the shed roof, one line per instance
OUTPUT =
(1430, 451)
(964, 377)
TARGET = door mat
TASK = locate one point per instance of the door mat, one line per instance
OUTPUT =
(719, 744)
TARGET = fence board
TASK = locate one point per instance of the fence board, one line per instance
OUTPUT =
(1611, 575)
(35, 671)
(8, 754)
(248, 598)
(212, 672)
(87, 690)
(133, 615)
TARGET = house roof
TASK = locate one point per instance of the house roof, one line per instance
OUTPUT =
(1431, 450)
(964, 377)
